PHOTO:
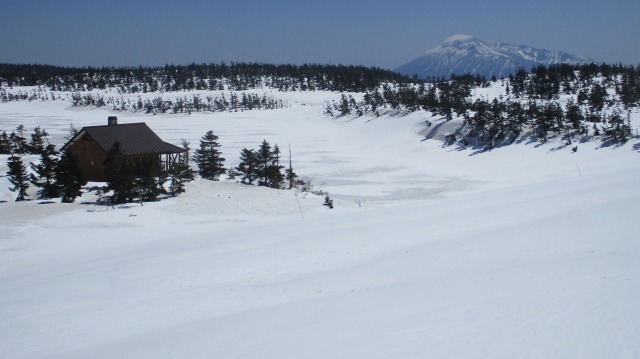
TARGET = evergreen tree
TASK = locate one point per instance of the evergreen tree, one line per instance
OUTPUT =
(274, 176)
(248, 165)
(5, 144)
(119, 175)
(289, 174)
(44, 176)
(619, 130)
(72, 132)
(69, 177)
(264, 156)
(274, 169)
(147, 181)
(207, 157)
(180, 173)
(263, 165)
(630, 88)
(18, 143)
(597, 97)
(573, 114)
(344, 106)
(18, 176)
(479, 120)
(516, 114)
(37, 144)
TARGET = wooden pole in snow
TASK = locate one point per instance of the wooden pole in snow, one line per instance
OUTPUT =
(290, 170)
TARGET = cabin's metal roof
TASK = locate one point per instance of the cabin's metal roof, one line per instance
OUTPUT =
(134, 138)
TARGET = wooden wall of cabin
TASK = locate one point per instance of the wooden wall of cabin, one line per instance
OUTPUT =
(91, 159)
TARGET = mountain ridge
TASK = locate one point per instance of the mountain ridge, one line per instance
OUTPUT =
(462, 54)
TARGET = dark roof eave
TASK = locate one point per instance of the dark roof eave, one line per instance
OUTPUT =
(73, 140)
(138, 139)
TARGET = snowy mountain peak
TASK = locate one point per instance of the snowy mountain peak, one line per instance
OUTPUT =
(458, 38)
(461, 54)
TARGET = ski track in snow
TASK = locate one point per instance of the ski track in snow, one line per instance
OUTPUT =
(522, 252)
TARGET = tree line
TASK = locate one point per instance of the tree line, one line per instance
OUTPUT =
(171, 78)
(157, 105)
(597, 101)
(17, 142)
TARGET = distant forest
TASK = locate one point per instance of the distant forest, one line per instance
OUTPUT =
(171, 78)
(586, 101)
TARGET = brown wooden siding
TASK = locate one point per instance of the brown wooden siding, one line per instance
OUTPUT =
(91, 158)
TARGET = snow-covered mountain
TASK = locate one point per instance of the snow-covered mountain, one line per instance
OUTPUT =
(461, 54)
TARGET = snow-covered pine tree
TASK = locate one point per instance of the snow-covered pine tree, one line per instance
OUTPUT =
(18, 176)
(207, 157)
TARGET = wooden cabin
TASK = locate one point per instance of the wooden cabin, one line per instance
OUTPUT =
(137, 140)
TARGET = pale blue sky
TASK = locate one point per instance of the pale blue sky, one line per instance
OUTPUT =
(364, 32)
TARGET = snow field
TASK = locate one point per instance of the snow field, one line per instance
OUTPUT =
(525, 251)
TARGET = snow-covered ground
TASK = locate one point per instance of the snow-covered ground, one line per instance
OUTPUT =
(527, 251)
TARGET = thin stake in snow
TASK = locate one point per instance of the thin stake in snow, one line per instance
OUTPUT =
(299, 206)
